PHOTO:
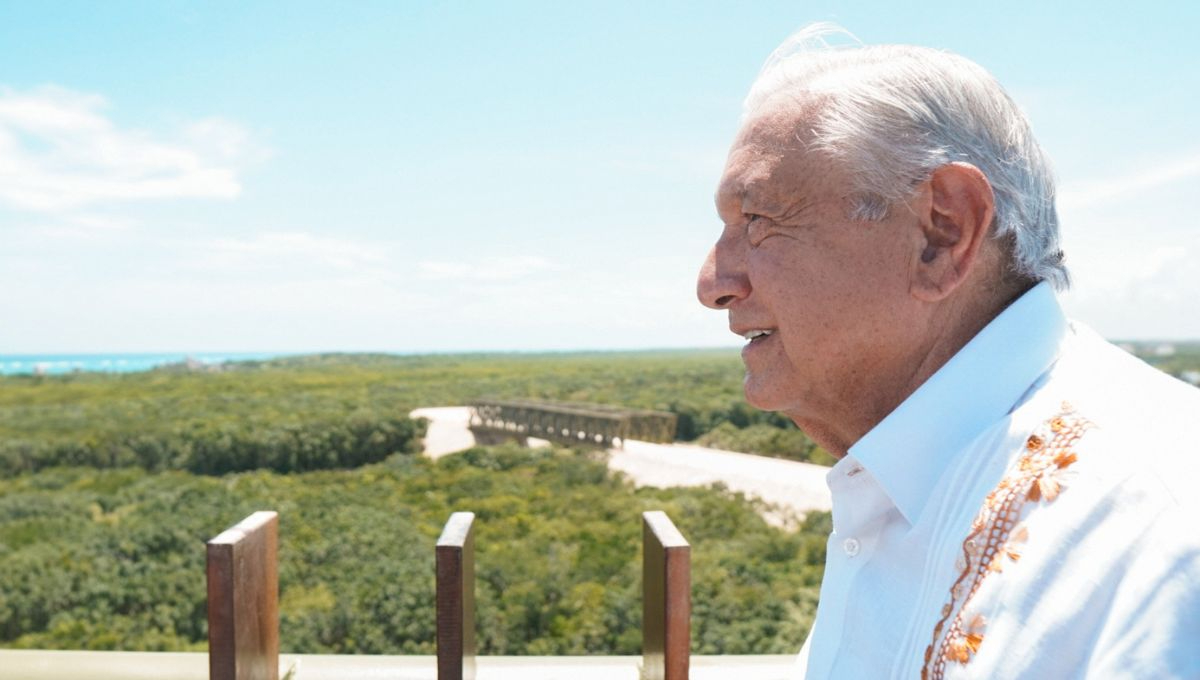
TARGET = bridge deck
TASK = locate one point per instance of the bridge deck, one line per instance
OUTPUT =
(571, 423)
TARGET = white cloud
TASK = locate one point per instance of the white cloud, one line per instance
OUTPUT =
(297, 251)
(1084, 195)
(643, 301)
(66, 230)
(59, 151)
(1134, 251)
(484, 270)
(1155, 298)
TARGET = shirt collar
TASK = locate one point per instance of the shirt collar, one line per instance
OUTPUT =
(910, 448)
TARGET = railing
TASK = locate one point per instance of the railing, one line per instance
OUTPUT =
(243, 616)
(243, 619)
(455, 560)
(243, 600)
(666, 599)
(568, 423)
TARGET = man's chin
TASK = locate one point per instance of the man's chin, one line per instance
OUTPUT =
(759, 396)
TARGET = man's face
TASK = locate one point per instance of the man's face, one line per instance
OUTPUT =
(831, 292)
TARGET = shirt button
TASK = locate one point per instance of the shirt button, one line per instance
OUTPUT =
(851, 546)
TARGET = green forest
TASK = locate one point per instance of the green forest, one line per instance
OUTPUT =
(315, 412)
(1180, 359)
(111, 483)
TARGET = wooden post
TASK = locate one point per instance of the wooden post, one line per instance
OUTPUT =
(243, 600)
(455, 557)
(666, 599)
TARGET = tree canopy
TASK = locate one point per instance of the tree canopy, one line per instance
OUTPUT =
(111, 484)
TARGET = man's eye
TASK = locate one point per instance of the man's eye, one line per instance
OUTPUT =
(756, 228)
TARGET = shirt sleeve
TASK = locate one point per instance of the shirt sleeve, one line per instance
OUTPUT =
(1154, 627)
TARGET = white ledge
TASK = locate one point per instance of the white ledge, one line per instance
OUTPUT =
(37, 664)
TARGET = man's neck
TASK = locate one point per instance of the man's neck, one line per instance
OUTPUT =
(949, 329)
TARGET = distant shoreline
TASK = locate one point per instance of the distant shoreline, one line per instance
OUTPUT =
(1154, 351)
(134, 362)
(60, 364)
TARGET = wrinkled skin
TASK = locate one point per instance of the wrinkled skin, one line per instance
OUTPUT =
(854, 325)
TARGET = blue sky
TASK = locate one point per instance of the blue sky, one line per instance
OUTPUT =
(504, 176)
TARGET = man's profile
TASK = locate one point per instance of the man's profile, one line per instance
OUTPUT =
(1015, 497)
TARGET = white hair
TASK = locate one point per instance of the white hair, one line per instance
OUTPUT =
(894, 113)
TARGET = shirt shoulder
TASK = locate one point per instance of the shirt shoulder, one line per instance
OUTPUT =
(1117, 557)
(1082, 561)
(1146, 423)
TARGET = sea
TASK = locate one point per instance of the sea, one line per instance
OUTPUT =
(55, 364)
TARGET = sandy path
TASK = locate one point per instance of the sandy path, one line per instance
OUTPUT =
(447, 429)
(787, 483)
(794, 486)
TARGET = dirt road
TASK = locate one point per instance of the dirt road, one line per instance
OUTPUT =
(793, 486)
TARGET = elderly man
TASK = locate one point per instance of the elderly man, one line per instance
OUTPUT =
(1015, 498)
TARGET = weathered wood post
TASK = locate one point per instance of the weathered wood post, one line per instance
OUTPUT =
(455, 557)
(666, 599)
(243, 600)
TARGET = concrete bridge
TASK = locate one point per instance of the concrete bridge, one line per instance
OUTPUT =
(567, 423)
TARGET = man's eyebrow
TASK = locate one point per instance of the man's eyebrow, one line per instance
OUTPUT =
(730, 193)
(792, 207)
(752, 195)
(797, 209)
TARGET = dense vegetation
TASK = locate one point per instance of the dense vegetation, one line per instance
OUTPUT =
(110, 484)
(283, 414)
(1180, 359)
(114, 559)
(778, 441)
(204, 448)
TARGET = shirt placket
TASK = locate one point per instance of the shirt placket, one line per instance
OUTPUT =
(858, 501)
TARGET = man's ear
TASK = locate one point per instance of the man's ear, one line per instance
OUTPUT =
(954, 217)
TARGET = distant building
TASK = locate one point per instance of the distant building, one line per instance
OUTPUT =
(190, 364)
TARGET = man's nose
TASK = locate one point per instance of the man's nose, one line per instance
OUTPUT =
(722, 279)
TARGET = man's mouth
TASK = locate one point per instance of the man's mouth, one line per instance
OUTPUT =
(756, 334)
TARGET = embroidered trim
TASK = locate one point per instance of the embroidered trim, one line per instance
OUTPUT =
(997, 535)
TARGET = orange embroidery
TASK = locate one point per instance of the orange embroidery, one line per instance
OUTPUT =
(961, 649)
(1040, 474)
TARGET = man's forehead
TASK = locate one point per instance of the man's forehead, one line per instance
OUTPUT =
(769, 157)
(776, 122)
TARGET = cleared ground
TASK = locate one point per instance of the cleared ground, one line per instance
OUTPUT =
(792, 486)
(447, 431)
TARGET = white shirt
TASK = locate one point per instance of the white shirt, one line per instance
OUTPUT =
(1098, 573)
